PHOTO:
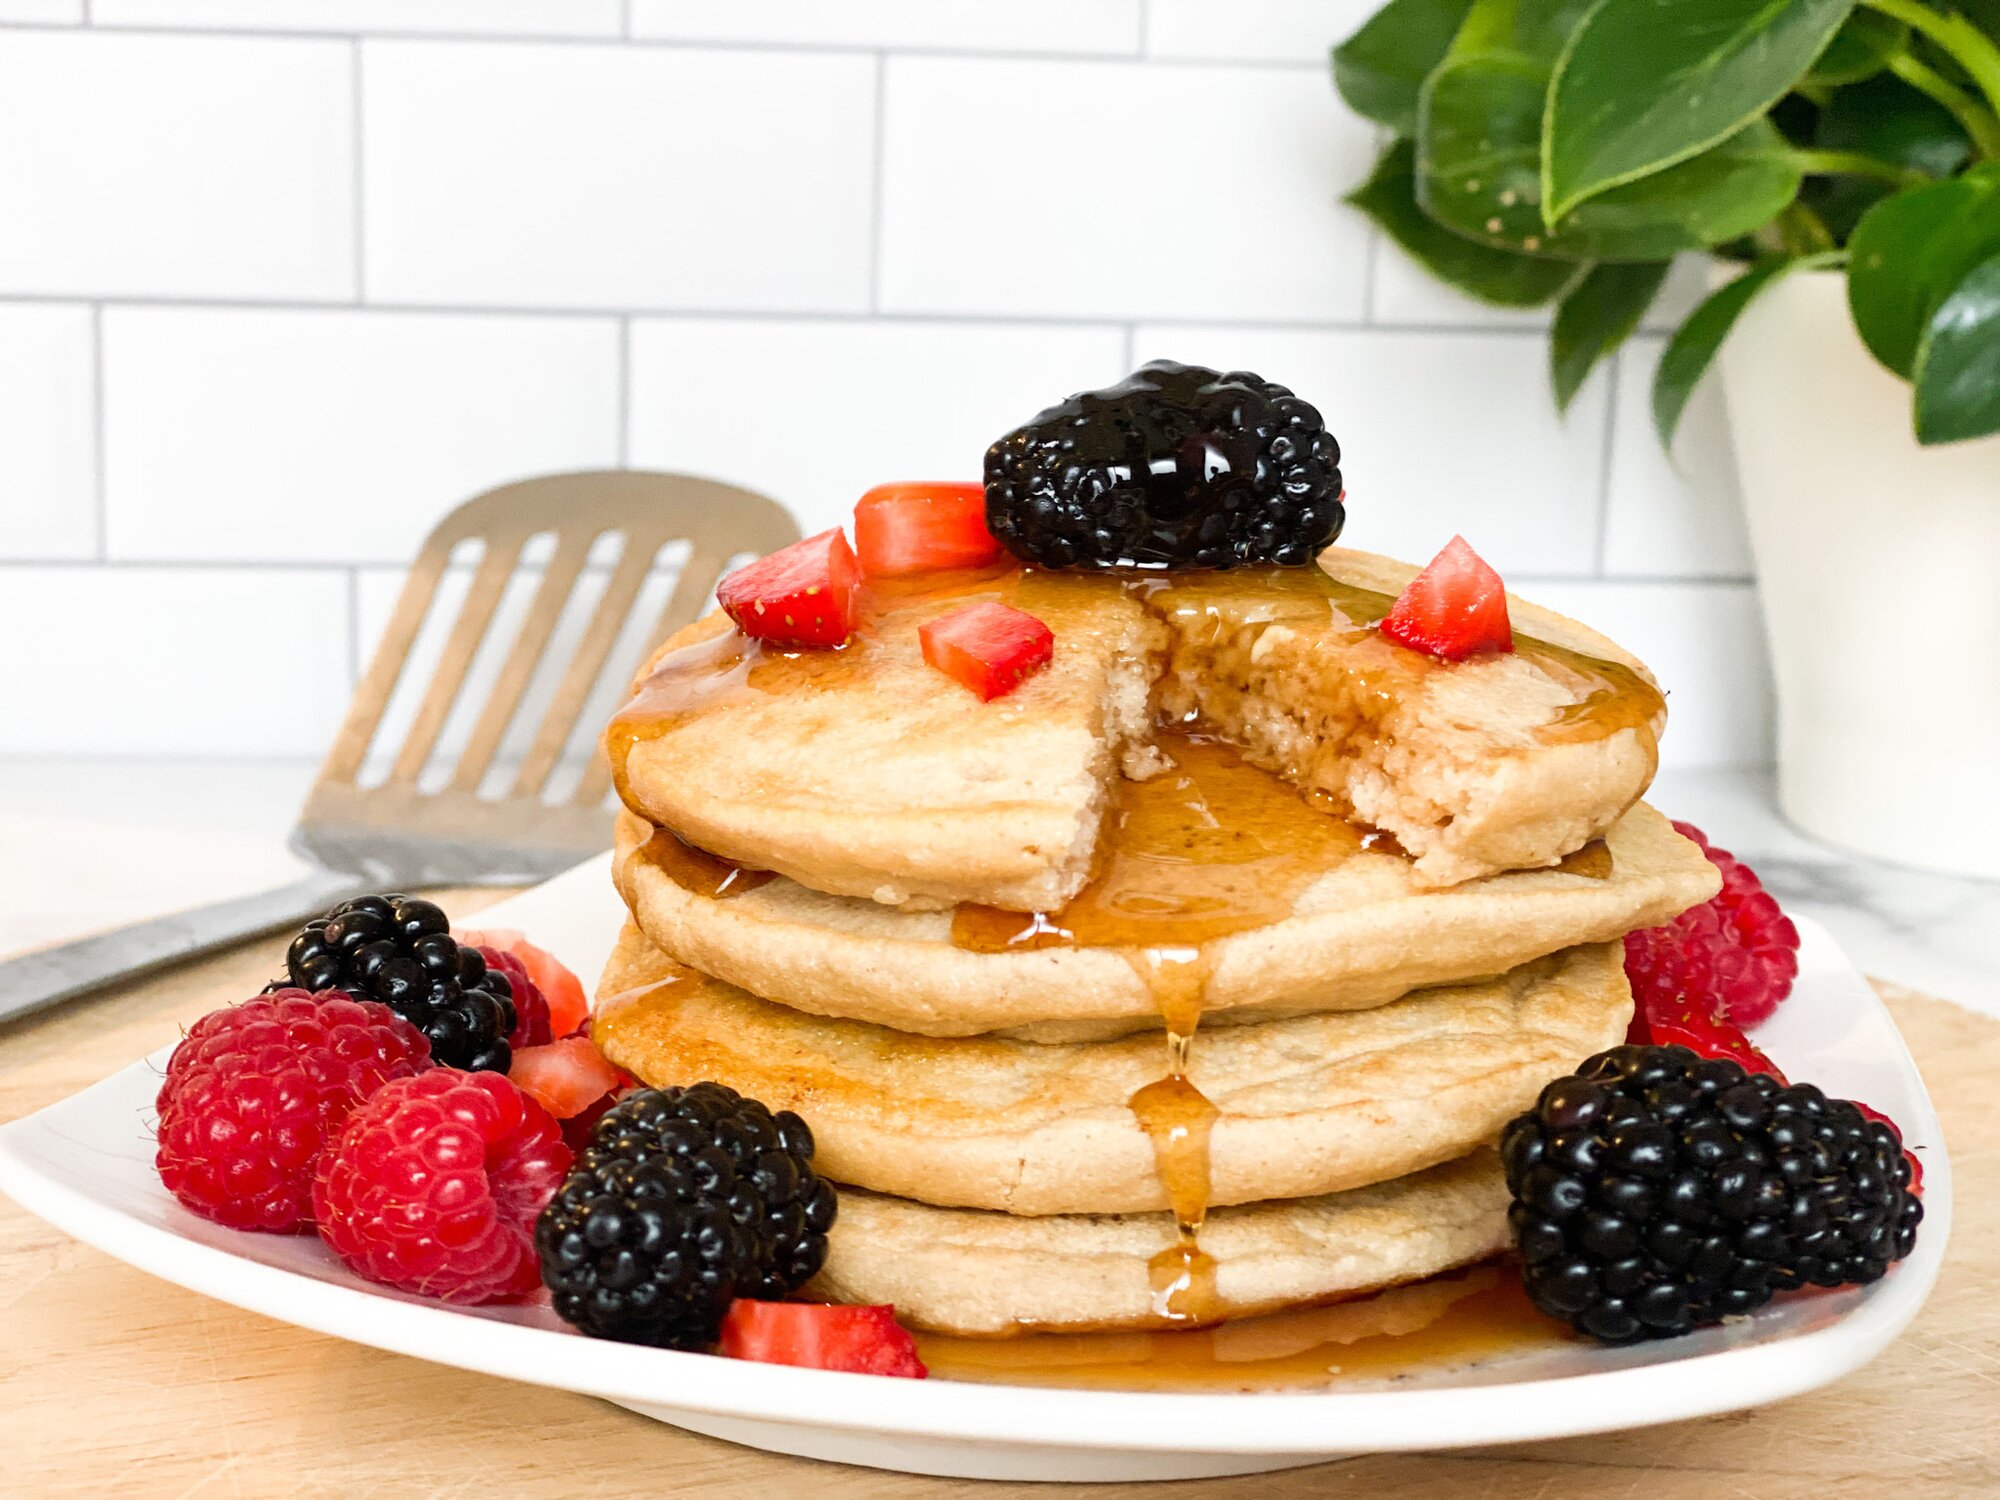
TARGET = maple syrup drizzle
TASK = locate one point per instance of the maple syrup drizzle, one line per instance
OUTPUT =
(1436, 1326)
(698, 871)
(1212, 847)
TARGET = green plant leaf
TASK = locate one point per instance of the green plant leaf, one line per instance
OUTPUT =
(1389, 197)
(1594, 318)
(1641, 87)
(1380, 68)
(1862, 47)
(1693, 348)
(1885, 118)
(1479, 173)
(1958, 361)
(1910, 250)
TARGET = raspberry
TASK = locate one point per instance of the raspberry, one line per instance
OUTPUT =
(255, 1091)
(1735, 956)
(531, 1006)
(434, 1185)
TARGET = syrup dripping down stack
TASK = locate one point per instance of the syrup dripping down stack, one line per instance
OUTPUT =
(1255, 1053)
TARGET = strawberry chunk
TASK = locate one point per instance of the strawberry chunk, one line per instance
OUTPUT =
(821, 1336)
(561, 990)
(565, 1077)
(922, 528)
(990, 647)
(1455, 608)
(801, 595)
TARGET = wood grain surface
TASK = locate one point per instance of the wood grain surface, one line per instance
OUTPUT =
(112, 1383)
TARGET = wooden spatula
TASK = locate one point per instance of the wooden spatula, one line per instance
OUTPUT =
(388, 816)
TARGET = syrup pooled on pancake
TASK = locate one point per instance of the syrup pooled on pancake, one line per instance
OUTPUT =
(1209, 848)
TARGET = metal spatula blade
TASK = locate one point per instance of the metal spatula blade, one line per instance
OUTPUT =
(428, 818)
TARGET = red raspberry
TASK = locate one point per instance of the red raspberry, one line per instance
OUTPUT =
(434, 1185)
(1735, 955)
(531, 1007)
(254, 1091)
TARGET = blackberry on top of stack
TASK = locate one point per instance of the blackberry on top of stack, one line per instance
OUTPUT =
(1157, 913)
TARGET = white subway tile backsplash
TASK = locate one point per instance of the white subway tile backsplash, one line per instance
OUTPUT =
(1678, 515)
(176, 166)
(42, 12)
(581, 176)
(1705, 643)
(205, 661)
(1106, 189)
(1439, 433)
(1252, 30)
(337, 435)
(969, 25)
(48, 432)
(477, 17)
(1406, 295)
(846, 405)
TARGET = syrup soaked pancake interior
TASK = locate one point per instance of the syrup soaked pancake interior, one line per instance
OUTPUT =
(1268, 921)
(965, 1271)
(864, 772)
(1304, 1106)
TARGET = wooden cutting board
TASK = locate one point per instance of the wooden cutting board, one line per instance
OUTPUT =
(112, 1383)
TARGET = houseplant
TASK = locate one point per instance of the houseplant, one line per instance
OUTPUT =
(1840, 160)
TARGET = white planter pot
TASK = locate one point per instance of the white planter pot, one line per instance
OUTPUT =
(1878, 562)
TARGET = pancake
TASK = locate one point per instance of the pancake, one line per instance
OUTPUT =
(1360, 932)
(964, 1271)
(1308, 1105)
(865, 772)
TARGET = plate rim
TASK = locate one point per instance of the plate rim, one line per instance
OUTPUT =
(1233, 1423)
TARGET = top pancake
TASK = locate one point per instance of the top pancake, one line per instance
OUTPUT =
(866, 772)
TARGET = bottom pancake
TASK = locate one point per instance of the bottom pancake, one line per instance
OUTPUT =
(1308, 1104)
(982, 1274)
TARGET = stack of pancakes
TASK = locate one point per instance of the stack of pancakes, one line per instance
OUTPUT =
(1193, 979)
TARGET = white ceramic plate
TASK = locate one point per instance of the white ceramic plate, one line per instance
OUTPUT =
(85, 1165)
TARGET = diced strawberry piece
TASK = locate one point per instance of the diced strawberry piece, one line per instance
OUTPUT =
(989, 647)
(568, 1008)
(801, 595)
(565, 1077)
(1455, 608)
(821, 1336)
(922, 528)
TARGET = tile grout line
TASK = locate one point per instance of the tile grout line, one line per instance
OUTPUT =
(625, 19)
(1601, 544)
(880, 145)
(360, 220)
(100, 495)
(1145, 27)
(691, 313)
(679, 44)
(1131, 344)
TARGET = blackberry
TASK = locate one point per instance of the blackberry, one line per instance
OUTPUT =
(1176, 466)
(684, 1199)
(399, 950)
(1656, 1191)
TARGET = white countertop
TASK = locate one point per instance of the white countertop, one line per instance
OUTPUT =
(90, 845)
